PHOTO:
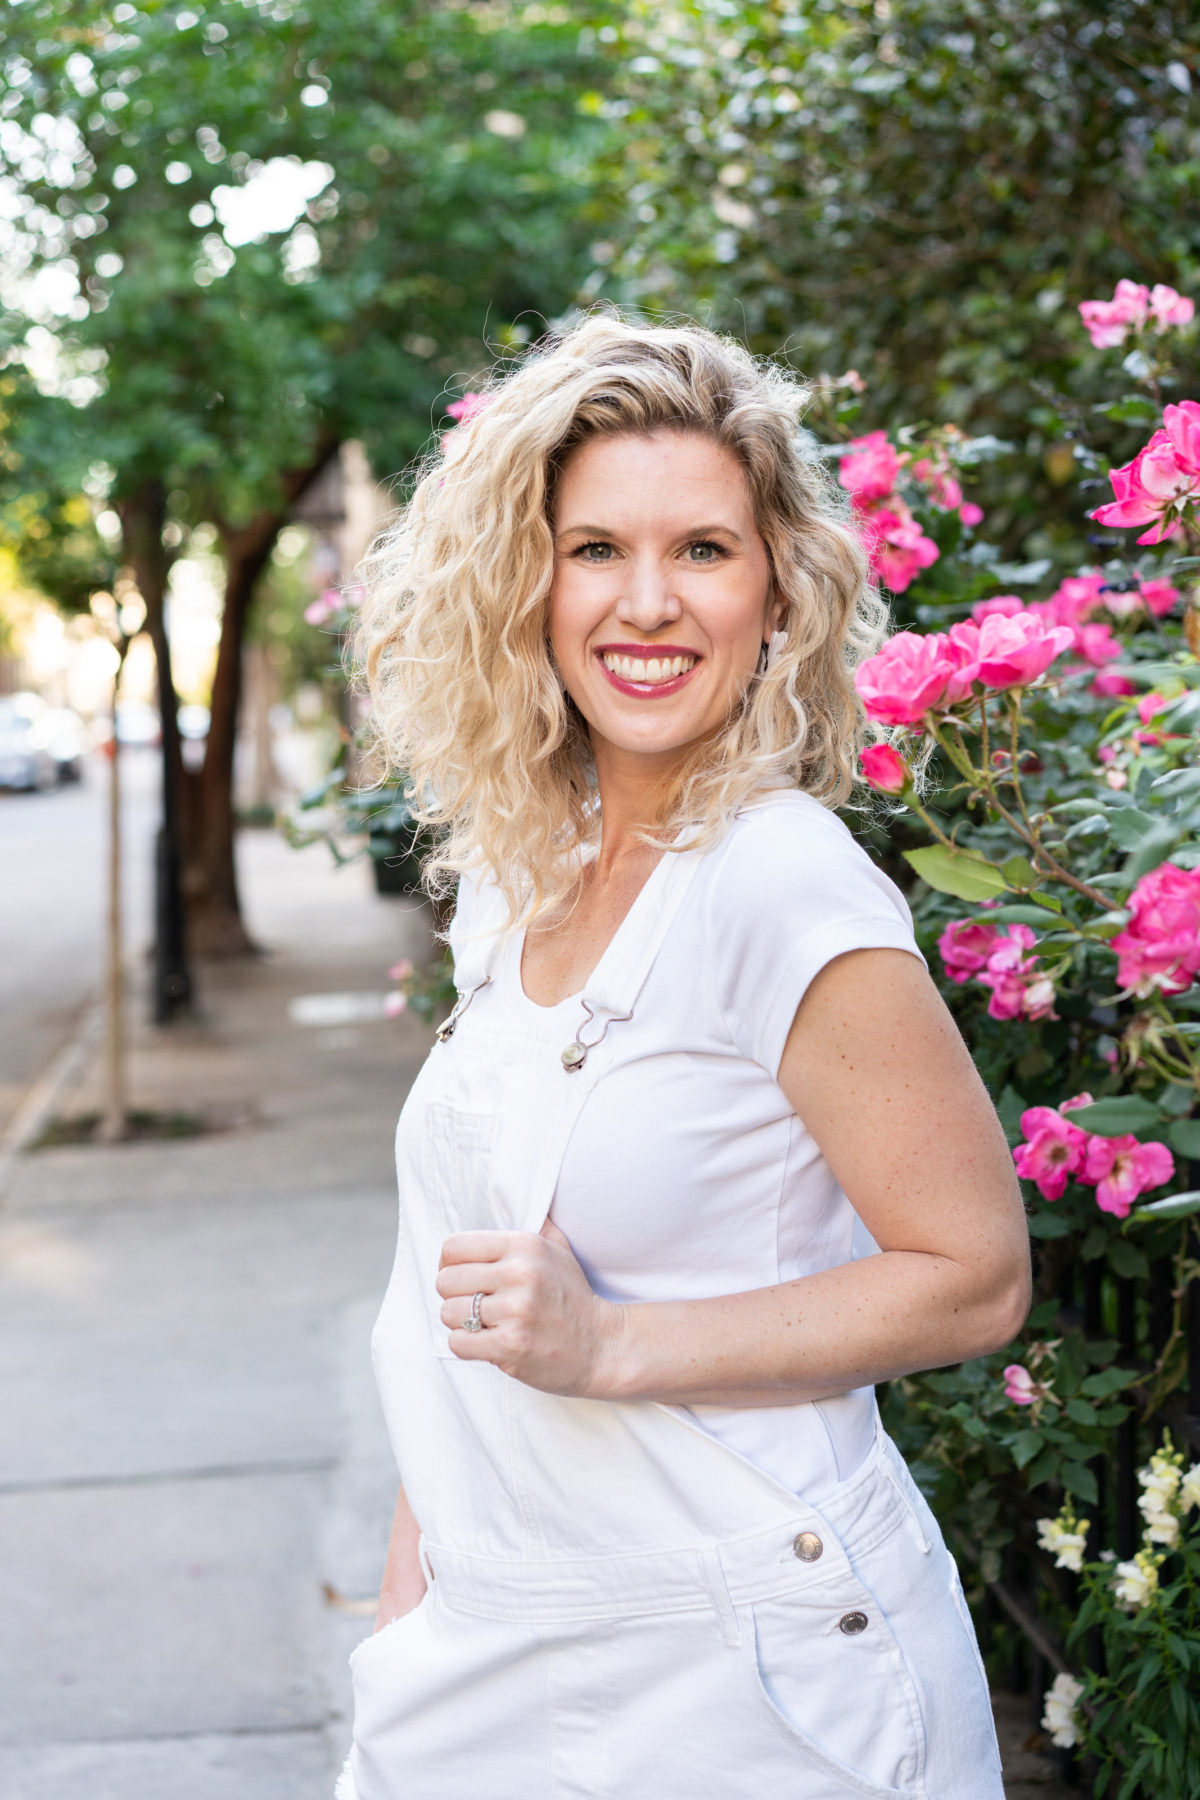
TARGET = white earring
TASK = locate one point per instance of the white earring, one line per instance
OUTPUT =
(776, 645)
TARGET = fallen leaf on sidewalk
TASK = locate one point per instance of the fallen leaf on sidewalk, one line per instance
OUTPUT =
(364, 1608)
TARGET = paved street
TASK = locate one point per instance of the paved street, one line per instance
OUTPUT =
(193, 1452)
(53, 899)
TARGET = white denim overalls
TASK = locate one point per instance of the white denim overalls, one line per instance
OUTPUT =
(621, 1607)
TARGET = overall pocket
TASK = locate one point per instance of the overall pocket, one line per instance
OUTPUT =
(829, 1671)
(456, 1166)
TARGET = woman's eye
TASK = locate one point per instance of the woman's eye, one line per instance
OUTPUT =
(596, 552)
(704, 552)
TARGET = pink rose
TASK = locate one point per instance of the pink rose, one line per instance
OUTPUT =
(394, 1004)
(468, 408)
(1110, 686)
(1159, 597)
(1165, 474)
(1108, 322)
(1121, 1169)
(869, 467)
(897, 546)
(1160, 946)
(904, 680)
(1150, 705)
(1096, 643)
(1020, 988)
(970, 514)
(943, 488)
(884, 769)
(1019, 1385)
(1053, 1150)
(1014, 651)
(965, 946)
(1003, 605)
(1169, 308)
(324, 607)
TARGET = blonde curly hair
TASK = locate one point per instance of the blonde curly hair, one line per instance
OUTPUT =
(465, 697)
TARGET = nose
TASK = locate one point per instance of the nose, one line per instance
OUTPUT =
(648, 600)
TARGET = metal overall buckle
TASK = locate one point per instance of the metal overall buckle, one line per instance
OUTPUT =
(575, 1054)
(447, 1027)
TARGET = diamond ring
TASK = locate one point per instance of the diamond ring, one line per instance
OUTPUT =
(473, 1322)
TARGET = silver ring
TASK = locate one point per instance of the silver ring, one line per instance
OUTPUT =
(473, 1322)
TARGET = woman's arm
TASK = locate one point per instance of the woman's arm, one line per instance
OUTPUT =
(403, 1585)
(876, 1068)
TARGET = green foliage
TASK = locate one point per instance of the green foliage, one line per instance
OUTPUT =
(921, 191)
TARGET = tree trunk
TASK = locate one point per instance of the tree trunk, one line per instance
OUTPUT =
(215, 925)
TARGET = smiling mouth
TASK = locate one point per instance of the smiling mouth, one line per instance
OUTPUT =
(660, 673)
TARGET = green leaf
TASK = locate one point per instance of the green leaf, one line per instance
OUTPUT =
(1018, 913)
(1184, 1136)
(1128, 826)
(1106, 1382)
(1019, 872)
(1025, 1447)
(957, 872)
(1126, 1259)
(1177, 783)
(1134, 409)
(1010, 1106)
(1115, 1117)
(1049, 1225)
(1079, 1411)
(1174, 1206)
(1078, 1479)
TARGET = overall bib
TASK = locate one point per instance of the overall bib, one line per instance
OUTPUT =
(619, 1605)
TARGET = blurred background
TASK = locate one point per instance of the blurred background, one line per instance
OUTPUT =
(252, 254)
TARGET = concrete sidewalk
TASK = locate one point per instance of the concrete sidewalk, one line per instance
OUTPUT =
(194, 1480)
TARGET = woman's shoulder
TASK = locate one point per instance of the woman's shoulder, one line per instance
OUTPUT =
(787, 850)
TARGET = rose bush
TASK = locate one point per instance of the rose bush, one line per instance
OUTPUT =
(1044, 788)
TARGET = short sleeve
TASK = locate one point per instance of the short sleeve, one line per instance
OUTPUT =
(791, 892)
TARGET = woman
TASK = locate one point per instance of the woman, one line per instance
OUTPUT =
(699, 1156)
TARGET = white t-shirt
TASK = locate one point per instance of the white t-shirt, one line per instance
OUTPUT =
(688, 1174)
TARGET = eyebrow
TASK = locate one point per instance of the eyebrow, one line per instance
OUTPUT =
(693, 531)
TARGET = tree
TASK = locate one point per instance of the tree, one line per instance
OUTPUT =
(437, 167)
(919, 189)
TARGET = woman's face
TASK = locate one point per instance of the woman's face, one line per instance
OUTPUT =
(661, 597)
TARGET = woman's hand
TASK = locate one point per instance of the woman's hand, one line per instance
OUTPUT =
(543, 1325)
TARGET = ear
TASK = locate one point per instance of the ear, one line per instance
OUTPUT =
(776, 611)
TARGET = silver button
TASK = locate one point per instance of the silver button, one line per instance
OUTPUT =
(807, 1546)
(852, 1623)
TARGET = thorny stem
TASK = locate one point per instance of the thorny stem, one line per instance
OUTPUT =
(1023, 827)
(1161, 1381)
(1171, 1023)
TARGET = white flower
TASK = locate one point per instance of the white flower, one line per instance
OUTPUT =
(1162, 1529)
(1065, 1539)
(1060, 1718)
(1135, 1583)
(1189, 1488)
(1160, 1487)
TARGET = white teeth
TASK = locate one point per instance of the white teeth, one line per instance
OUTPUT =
(651, 671)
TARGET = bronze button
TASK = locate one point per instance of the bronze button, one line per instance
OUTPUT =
(808, 1546)
(852, 1623)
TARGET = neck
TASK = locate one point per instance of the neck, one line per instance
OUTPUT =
(635, 791)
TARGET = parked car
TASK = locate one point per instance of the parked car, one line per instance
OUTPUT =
(138, 724)
(25, 761)
(65, 736)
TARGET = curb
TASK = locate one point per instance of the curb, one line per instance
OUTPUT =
(61, 1073)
